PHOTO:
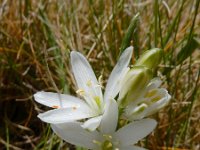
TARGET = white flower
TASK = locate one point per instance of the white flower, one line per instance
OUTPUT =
(151, 99)
(140, 95)
(92, 107)
(106, 138)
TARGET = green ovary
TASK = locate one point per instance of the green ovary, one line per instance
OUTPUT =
(107, 145)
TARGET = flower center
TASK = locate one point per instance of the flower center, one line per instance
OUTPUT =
(107, 145)
(91, 96)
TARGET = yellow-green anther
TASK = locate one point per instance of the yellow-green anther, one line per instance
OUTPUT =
(98, 101)
(150, 58)
(150, 93)
(107, 136)
(97, 142)
(81, 92)
(155, 99)
(107, 145)
(134, 83)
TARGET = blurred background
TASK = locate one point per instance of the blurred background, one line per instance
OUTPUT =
(36, 37)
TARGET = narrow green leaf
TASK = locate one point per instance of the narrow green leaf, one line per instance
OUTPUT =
(51, 40)
(173, 25)
(192, 42)
(127, 38)
(156, 13)
(187, 50)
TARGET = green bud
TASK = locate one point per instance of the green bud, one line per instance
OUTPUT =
(133, 84)
(150, 58)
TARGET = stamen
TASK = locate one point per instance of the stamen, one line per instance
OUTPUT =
(80, 92)
(107, 136)
(100, 80)
(97, 142)
(98, 85)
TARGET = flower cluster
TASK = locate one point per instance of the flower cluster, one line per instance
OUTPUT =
(93, 119)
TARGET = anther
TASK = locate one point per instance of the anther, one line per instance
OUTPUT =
(150, 93)
(55, 106)
(100, 80)
(80, 92)
(96, 142)
(108, 137)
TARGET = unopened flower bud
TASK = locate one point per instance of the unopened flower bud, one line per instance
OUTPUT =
(150, 101)
(150, 58)
(134, 83)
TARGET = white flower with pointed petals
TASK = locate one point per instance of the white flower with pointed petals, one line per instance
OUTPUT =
(92, 107)
(106, 137)
(151, 99)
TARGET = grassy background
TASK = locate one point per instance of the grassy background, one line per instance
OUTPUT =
(37, 36)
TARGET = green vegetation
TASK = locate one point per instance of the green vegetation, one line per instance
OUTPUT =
(37, 36)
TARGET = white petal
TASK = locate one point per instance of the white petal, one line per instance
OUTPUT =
(92, 124)
(134, 131)
(131, 113)
(63, 115)
(110, 117)
(131, 148)
(73, 133)
(84, 75)
(57, 100)
(160, 103)
(114, 82)
(154, 83)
